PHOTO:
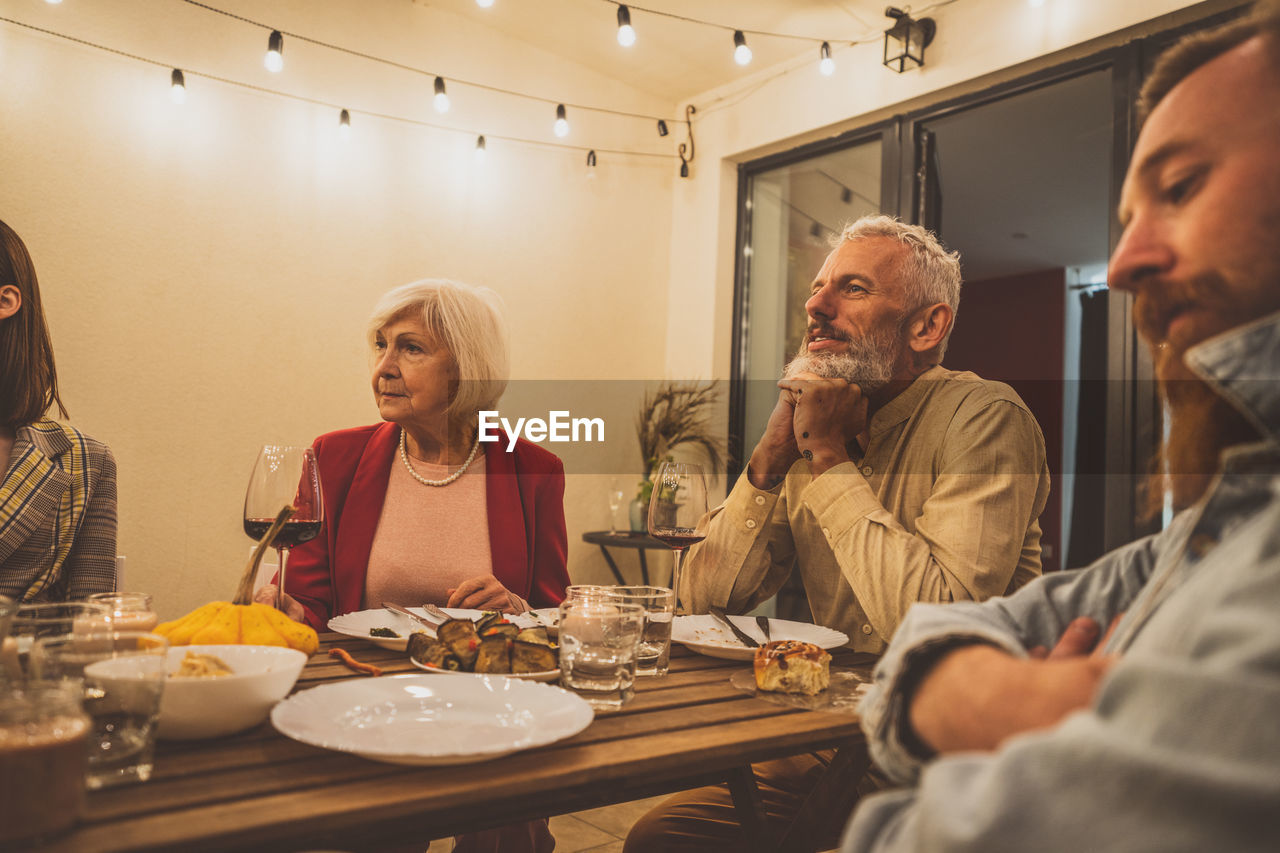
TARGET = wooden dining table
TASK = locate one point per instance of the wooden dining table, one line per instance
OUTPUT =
(262, 790)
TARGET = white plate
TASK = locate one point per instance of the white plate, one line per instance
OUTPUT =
(357, 624)
(706, 636)
(545, 675)
(422, 719)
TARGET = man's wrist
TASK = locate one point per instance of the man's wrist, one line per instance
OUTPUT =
(823, 458)
(767, 468)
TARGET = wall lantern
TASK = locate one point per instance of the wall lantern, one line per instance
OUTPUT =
(905, 41)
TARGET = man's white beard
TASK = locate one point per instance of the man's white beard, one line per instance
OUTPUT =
(868, 363)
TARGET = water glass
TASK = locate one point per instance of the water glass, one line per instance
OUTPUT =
(123, 674)
(599, 639)
(130, 611)
(43, 731)
(46, 619)
(659, 603)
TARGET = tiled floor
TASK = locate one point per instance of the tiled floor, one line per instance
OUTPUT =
(596, 830)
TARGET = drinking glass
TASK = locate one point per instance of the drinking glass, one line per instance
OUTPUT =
(677, 512)
(43, 732)
(130, 611)
(654, 655)
(123, 675)
(599, 638)
(284, 476)
(616, 494)
(46, 619)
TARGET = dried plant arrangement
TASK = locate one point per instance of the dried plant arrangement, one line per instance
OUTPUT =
(673, 414)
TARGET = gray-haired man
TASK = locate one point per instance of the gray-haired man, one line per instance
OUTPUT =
(882, 478)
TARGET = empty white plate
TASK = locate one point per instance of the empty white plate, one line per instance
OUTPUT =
(425, 719)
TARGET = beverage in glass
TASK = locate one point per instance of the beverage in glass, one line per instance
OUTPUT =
(677, 512)
(284, 476)
(123, 674)
(599, 639)
(43, 732)
(654, 654)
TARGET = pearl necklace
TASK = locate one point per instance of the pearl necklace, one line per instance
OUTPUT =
(404, 454)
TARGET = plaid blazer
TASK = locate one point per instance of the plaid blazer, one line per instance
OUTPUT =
(57, 515)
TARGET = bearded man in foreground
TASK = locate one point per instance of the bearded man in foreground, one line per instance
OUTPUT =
(882, 478)
(1162, 736)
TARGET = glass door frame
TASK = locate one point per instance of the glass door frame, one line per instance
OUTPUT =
(889, 132)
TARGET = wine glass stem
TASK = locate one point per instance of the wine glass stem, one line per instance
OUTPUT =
(284, 562)
(677, 559)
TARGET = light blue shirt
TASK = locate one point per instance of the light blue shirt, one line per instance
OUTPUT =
(1180, 749)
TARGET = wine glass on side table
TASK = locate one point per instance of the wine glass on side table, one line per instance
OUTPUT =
(284, 476)
(677, 511)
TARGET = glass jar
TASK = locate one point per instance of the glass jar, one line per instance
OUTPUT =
(130, 611)
(43, 753)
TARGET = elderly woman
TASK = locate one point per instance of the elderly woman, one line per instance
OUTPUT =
(58, 495)
(417, 508)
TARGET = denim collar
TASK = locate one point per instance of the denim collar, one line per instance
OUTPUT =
(1243, 365)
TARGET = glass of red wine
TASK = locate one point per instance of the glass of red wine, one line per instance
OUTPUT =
(284, 476)
(677, 512)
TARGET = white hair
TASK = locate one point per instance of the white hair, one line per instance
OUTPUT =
(468, 321)
(930, 274)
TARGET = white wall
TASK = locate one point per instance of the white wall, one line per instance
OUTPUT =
(207, 268)
(782, 108)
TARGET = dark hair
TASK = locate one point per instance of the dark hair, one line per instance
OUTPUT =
(28, 379)
(1198, 49)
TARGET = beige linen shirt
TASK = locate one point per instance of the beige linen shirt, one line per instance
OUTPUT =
(943, 506)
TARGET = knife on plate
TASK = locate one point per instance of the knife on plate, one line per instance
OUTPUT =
(404, 611)
(743, 637)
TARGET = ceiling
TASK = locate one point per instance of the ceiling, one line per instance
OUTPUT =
(674, 59)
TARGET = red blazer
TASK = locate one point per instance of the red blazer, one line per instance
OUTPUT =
(524, 494)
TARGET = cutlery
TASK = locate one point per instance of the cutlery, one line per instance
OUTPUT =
(404, 611)
(436, 613)
(763, 622)
(743, 637)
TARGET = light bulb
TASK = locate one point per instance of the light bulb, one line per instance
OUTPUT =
(178, 87)
(53, 2)
(344, 125)
(626, 33)
(274, 60)
(741, 53)
(441, 98)
(826, 64)
(591, 165)
(562, 122)
(480, 149)
(484, 4)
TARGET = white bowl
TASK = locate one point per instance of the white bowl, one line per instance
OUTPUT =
(194, 708)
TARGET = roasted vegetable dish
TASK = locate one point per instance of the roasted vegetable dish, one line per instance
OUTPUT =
(489, 644)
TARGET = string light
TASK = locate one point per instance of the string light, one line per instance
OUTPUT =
(480, 149)
(662, 128)
(626, 32)
(227, 81)
(441, 98)
(177, 87)
(274, 60)
(344, 125)
(826, 64)
(53, 2)
(591, 165)
(741, 53)
(562, 122)
(484, 4)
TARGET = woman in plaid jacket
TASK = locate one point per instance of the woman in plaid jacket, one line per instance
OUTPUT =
(58, 493)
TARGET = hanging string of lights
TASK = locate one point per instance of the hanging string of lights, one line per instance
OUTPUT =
(273, 60)
(178, 93)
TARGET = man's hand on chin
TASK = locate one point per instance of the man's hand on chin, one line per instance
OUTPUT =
(829, 414)
(776, 450)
